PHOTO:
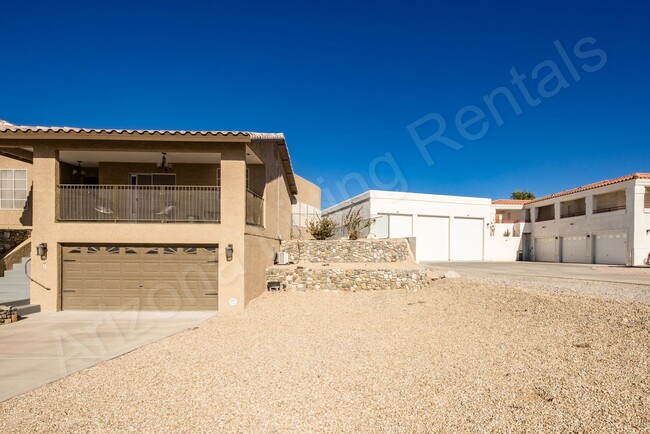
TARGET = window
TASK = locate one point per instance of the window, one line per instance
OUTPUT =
(13, 189)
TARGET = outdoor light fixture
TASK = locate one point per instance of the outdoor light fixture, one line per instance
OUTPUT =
(78, 171)
(229, 251)
(41, 250)
(163, 163)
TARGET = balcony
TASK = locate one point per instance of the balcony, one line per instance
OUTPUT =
(133, 204)
(573, 208)
(609, 209)
(254, 209)
(572, 214)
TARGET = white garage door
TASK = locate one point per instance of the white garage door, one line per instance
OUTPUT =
(611, 248)
(545, 249)
(467, 239)
(432, 238)
(574, 249)
(400, 226)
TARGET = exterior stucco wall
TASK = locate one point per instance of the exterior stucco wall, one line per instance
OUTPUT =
(306, 208)
(260, 254)
(641, 246)
(186, 174)
(240, 279)
(18, 219)
(308, 192)
(624, 220)
(263, 242)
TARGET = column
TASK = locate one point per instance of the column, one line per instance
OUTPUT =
(45, 290)
(233, 224)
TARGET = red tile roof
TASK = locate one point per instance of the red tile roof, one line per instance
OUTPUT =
(595, 185)
(9, 131)
(9, 128)
(510, 202)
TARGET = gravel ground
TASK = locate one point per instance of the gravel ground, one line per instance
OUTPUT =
(466, 355)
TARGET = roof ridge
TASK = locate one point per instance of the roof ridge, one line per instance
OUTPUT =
(7, 127)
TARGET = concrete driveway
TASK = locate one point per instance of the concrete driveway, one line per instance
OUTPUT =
(600, 273)
(51, 345)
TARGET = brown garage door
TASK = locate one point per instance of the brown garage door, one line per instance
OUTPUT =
(101, 277)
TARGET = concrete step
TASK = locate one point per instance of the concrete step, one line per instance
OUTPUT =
(17, 303)
(28, 309)
(19, 267)
(14, 281)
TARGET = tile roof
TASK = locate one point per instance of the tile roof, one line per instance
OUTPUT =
(510, 201)
(9, 128)
(595, 185)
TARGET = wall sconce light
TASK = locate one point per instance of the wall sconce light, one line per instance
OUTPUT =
(229, 251)
(41, 250)
(543, 227)
(572, 223)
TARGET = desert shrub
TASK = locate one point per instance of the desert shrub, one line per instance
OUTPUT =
(354, 223)
(322, 228)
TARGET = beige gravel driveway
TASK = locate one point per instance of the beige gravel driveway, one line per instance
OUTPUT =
(466, 355)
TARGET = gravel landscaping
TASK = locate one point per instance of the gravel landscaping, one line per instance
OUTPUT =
(464, 355)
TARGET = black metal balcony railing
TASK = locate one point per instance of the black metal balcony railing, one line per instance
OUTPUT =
(572, 214)
(127, 203)
(254, 209)
(544, 218)
(609, 209)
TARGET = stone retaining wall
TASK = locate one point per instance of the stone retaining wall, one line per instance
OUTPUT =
(8, 314)
(347, 251)
(10, 238)
(346, 279)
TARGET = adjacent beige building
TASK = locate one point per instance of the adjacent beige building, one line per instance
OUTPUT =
(306, 208)
(141, 219)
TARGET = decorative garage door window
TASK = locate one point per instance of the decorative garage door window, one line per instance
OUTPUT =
(115, 250)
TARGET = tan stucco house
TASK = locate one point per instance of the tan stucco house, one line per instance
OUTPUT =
(146, 219)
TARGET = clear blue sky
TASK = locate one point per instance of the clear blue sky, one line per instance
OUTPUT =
(343, 81)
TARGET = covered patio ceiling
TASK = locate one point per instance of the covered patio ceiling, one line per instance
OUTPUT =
(93, 158)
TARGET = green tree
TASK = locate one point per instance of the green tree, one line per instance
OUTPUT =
(522, 195)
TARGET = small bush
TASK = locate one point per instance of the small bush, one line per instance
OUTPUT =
(321, 229)
(354, 223)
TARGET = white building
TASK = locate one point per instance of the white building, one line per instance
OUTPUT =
(444, 227)
(607, 222)
(604, 223)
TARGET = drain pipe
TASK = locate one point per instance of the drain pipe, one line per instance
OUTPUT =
(30, 277)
